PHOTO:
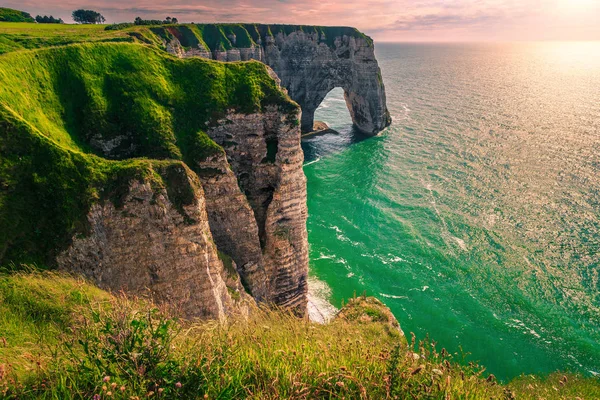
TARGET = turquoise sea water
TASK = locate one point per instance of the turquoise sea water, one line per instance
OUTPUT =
(476, 216)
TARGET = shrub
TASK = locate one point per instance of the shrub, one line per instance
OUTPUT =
(118, 27)
(87, 17)
(48, 20)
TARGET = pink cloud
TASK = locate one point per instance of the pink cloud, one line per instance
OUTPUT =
(383, 19)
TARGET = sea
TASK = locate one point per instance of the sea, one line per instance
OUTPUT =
(475, 217)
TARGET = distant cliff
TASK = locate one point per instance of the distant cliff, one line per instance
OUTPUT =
(309, 60)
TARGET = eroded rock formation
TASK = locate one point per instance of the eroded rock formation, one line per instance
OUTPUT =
(256, 202)
(309, 60)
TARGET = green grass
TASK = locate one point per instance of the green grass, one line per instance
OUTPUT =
(35, 310)
(56, 105)
(63, 338)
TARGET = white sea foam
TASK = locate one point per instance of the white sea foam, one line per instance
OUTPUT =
(312, 162)
(320, 309)
(392, 296)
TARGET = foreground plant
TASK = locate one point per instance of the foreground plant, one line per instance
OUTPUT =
(114, 347)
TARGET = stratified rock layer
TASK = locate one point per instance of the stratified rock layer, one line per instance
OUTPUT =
(256, 202)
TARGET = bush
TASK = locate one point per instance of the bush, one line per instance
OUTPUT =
(10, 15)
(87, 17)
(48, 20)
(168, 20)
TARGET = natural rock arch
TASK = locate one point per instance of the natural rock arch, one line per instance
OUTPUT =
(309, 69)
(309, 61)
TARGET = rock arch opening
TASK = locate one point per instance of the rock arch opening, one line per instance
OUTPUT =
(334, 111)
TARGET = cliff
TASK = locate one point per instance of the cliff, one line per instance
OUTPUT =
(178, 178)
(181, 178)
(309, 60)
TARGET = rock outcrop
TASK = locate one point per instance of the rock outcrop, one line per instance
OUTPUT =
(309, 60)
(256, 202)
(146, 246)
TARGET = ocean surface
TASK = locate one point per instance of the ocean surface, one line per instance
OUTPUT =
(476, 216)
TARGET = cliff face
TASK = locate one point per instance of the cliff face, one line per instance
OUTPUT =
(256, 202)
(191, 190)
(309, 60)
(147, 246)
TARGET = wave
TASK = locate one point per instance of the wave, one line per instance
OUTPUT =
(320, 309)
(312, 162)
(392, 296)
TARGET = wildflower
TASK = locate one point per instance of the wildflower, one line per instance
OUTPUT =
(96, 397)
(104, 388)
(178, 385)
(150, 393)
(113, 385)
(160, 390)
(122, 388)
(340, 384)
(109, 393)
(106, 379)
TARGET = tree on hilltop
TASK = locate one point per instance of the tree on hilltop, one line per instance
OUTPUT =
(168, 20)
(48, 20)
(88, 17)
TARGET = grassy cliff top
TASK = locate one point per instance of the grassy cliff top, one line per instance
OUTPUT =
(63, 338)
(210, 36)
(77, 122)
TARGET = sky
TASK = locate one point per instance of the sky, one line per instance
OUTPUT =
(384, 20)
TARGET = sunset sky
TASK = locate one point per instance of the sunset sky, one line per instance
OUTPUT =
(384, 20)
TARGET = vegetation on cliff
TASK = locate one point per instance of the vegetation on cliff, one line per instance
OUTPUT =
(213, 37)
(78, 122)
(63, 338)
